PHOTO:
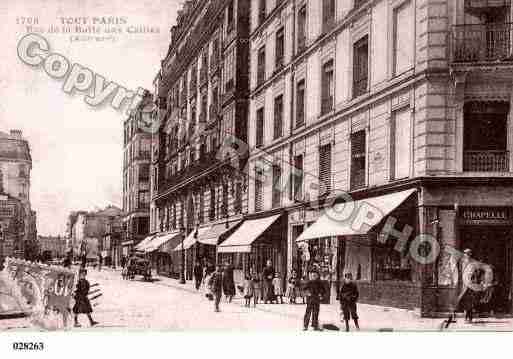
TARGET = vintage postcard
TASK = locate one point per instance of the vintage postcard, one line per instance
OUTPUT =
(256, 165)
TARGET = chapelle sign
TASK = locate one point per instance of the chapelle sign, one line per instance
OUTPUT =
(486, 215)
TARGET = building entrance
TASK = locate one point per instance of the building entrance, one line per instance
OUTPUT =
(492, 245)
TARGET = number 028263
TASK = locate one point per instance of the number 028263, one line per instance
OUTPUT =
(29, 346)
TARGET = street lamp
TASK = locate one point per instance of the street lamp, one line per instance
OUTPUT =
(182, 265)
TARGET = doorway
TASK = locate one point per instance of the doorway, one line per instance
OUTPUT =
(492, 245)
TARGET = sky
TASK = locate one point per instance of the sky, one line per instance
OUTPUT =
(77, 150)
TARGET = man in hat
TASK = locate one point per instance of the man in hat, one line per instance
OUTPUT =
(314, 292)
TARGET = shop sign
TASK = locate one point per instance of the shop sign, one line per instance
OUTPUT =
(486, 215)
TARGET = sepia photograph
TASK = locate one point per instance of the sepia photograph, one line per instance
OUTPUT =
(249, 166)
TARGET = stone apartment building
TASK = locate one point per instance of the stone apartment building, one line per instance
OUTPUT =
(86, 231)
(405, 106)
(15, 167)
(136, 176)
(198, 192)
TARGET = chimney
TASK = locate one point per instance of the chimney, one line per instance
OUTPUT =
(16, 134)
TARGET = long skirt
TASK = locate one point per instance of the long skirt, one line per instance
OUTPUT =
(82, 306)
(268, 291)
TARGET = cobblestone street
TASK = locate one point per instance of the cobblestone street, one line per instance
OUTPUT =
(167, 305)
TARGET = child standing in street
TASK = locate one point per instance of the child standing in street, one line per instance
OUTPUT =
(82, 303)
(248, 291)
(216, 285)
(348, 297)
(278, 290)
(314, 292)
(292, 287)
(256, 288)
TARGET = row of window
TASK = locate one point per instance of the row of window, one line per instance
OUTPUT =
(400, 162)
(217, 209)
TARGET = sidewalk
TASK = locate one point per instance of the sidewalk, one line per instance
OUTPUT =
(372, 317)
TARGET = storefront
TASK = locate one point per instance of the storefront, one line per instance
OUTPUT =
(475, 215)
(156, 248)
(256, 241)
(351, 238)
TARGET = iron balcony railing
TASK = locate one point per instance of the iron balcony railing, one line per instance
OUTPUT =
(482, 42)
(486, 161)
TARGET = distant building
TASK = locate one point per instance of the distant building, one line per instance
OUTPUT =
(11, 227)
(15, 167)
(136, 176)
(54, 245)
(85, 230)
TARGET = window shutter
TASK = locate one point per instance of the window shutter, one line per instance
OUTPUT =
(325, 169)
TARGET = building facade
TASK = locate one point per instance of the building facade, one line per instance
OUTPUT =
(15, 167)
(52, 247)
(202, 87)
(136, 176)
(85, 231)
(12, 225)
(405, 106)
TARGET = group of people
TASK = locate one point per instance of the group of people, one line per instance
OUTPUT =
(216, 281)
(478, 288)
(219, 280)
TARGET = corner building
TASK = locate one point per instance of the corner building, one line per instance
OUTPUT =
(406, 106)
(198, 191)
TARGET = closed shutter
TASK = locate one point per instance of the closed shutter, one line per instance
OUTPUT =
(276, 190)
(358, 159)
(258, 190)
(298, 177)
(324, 169)
(278, 117)
(260, 128)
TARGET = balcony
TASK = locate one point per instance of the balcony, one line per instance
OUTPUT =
(486, 161)
(482, 42)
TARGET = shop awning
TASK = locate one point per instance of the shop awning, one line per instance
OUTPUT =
(240, 241)
(144, 243)
(211, 237)
(159, 241)
(357, 217)
(191, 239)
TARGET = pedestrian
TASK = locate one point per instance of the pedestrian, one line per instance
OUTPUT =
(257, 288)
(100, 262)
(82, 303)
(84, 261)
(277, 288)
(228, 282)
(123, 261)
(198, 275)
(292, 287)
(216, 286)
(468, 295)
(67, 260)
(249, 290)
(348, 297)
(314, 292)
(267, 283)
